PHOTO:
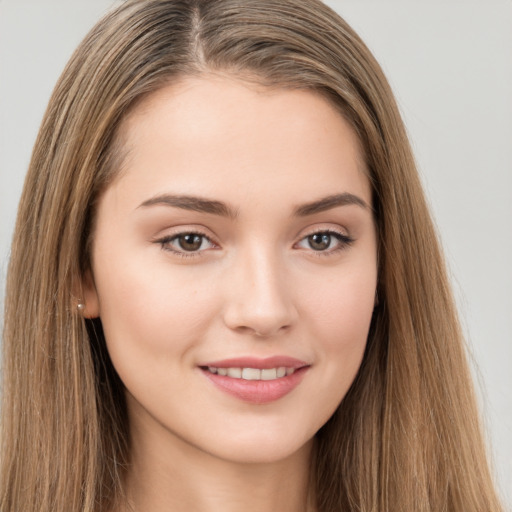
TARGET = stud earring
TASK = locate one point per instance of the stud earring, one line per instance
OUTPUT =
(80, 307)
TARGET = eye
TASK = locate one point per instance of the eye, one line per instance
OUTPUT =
(184, 243)
(325, 241)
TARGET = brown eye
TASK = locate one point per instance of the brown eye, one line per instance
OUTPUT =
(327, 242)
(190, 242)
(320, 241)
(186, 244)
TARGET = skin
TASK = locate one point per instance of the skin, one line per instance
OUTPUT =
(255, 287)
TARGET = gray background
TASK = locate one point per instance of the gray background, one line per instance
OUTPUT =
(450, 64)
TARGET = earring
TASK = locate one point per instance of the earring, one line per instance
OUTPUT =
(80, 307)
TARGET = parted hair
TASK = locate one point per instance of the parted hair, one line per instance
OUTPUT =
(406, 437)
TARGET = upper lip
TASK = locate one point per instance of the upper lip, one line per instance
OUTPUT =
(258, 363)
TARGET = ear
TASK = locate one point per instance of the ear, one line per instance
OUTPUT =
(90, 298)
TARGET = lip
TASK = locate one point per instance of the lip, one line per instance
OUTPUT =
(257, 391)
(260, 363)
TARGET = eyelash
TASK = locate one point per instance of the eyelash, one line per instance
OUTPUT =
(344, 242)
(164, 244)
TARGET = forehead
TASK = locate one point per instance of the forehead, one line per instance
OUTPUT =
(219, 133)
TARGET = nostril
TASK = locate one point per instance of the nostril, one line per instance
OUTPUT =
(262, 331)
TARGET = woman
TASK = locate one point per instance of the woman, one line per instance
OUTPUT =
(237, 297)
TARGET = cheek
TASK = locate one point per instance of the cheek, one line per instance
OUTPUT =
(150, 312)
(344, 305)
(340, 315)
(337, 317)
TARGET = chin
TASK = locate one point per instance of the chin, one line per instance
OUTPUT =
(255, 448)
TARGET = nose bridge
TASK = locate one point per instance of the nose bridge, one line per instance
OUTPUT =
(260, 301)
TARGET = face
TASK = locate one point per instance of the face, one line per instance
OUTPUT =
(234, 267)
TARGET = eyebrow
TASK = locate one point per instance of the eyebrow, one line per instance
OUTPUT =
(211, 206)
(193, 203)
(329, 202)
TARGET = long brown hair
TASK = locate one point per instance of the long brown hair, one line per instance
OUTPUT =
(407, 435)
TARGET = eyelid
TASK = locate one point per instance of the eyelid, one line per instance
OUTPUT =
(164, 241)
(184, 229)
(344, 239)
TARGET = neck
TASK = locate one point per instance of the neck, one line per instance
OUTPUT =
(170, 474)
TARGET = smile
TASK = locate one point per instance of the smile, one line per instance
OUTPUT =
(256, 381)
(252, 373)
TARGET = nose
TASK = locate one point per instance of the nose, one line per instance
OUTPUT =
(259, 296)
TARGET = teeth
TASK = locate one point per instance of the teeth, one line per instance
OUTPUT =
(236, 373)
(252, 373)
(269, 374)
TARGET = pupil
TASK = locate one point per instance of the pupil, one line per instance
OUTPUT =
(320, 241)
(190, 242)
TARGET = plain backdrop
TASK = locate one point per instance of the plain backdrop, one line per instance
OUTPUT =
(450, 64)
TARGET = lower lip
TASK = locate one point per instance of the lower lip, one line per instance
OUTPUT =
(258, 391)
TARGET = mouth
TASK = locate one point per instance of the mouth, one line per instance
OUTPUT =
(257, 381)
(252, 373)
